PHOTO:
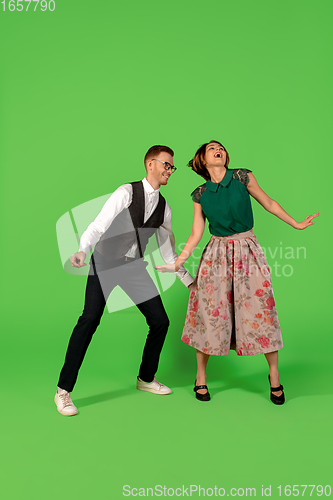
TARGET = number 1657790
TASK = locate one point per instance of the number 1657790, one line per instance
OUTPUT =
(23, 5)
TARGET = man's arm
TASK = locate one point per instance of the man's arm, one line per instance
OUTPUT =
(119, 200)
(166, 243)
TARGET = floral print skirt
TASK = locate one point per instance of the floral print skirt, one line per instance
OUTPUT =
(231, 304)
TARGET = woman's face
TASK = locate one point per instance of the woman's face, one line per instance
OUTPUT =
(215, 155)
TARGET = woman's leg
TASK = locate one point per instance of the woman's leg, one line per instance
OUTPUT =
(202, 360)
(272, 360)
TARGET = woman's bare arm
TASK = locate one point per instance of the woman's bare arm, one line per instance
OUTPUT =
(198, 228)
(273, 207)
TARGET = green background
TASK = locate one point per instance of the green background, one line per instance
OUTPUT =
(85, 91)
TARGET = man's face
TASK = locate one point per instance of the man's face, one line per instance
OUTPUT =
(157, 167)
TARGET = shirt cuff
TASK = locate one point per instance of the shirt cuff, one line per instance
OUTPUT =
(86, 250)
(184, 276)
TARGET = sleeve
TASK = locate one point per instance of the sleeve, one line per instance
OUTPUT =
(197, 193)
(166, 243)
(241, 175)
(119, 200)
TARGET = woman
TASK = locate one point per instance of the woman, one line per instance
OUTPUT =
(231, 305)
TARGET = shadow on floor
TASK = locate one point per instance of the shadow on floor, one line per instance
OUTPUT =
(105, 396)
(299, 380)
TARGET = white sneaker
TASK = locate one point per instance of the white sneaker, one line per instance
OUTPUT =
(155, 387)
(64, 403)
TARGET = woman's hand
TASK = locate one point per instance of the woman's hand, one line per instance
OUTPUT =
(306, 222)
(167, 268)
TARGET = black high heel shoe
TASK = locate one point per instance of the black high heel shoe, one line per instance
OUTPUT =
(277, 400)
(201, 397)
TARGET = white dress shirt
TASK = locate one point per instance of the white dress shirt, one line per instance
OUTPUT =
(121, 199)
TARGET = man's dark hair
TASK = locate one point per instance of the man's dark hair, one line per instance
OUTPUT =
(156, 150)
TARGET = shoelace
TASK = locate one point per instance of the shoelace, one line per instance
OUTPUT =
(66, 399)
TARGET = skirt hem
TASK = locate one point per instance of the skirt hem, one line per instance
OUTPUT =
(264, 351)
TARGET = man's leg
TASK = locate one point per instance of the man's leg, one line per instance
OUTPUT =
(139, 286)
(158, 323)
(82, 333)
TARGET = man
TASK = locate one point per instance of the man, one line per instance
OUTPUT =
(132, 214)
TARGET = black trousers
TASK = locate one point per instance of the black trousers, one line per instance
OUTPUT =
(134, 279)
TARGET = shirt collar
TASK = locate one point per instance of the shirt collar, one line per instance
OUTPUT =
(148, 187)
(213, 186)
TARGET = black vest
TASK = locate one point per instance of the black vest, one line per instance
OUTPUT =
(128, 228)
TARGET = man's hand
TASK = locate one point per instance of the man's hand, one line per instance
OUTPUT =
(77, 259)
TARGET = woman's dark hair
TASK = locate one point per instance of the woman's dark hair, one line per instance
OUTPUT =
(198, 162)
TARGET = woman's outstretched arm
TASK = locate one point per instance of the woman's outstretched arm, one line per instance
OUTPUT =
(273, 207)
(198, 228)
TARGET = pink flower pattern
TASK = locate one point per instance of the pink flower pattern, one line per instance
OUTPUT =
(270, 303)
(232, 290)
(264, 341)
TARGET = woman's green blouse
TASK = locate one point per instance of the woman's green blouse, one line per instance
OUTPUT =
(226, 204)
